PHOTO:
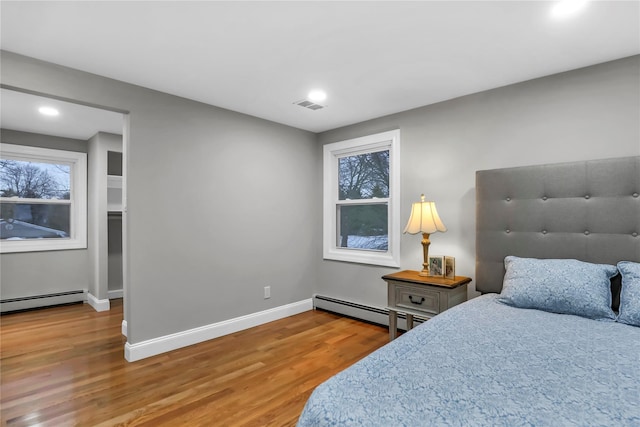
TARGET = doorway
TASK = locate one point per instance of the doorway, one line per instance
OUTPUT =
(93, 271)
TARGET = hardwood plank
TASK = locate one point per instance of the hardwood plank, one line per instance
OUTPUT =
(65, 366)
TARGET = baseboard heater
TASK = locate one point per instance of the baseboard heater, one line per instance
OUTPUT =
(359, 311)
(36, 301)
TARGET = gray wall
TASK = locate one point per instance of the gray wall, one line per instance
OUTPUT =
(38, 273)
(220, 204)
(585, 114)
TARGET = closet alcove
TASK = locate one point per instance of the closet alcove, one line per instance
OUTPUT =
(114, 224)
(105, 209)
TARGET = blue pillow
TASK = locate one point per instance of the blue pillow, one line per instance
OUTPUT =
(630, 293)
(566, 286)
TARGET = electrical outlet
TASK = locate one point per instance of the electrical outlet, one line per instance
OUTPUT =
(267, 292)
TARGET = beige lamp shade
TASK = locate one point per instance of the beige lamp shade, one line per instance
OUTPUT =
(424, 218)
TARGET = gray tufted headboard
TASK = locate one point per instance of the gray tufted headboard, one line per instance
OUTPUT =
(584, 210)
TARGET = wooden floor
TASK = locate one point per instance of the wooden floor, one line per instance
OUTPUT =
(65, 366)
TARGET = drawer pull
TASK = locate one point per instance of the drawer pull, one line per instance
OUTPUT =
(416, 302)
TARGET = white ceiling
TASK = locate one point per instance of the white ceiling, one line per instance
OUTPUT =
(372, 58)
(20, 112)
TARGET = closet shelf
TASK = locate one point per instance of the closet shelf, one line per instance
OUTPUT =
(114, 181)
(114, 193)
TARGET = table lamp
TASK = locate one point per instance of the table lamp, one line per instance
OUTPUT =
(424, 219)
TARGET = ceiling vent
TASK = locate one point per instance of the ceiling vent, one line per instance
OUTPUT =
(308, 104)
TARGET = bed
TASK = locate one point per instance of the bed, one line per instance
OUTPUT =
(555, 338)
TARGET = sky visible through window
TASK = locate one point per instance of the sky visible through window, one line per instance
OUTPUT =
(34, 180)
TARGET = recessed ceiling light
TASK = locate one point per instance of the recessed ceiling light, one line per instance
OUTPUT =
(48, 111)
(566, 8)
(317, 95)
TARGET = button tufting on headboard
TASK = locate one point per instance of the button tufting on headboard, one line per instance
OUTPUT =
(591, 218)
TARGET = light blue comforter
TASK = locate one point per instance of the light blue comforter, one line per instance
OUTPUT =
(483, 363)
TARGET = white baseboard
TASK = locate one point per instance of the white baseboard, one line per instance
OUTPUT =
(98, 304)
(118, 293)
(155, 346)
(124, 328)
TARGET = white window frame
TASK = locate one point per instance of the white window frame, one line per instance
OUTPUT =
(78, 201)
(332, 153)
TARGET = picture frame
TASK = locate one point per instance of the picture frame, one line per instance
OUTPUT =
(436, 265)
(449, 267)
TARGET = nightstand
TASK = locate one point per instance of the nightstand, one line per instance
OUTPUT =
(420, 296)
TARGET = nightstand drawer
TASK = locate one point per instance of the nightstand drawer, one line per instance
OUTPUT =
(417, 299)
(422, 296)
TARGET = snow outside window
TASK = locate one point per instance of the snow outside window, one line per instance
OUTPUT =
(361, 190)
(42, 199)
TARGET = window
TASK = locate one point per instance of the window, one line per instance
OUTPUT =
(361, 192)
(43, 196)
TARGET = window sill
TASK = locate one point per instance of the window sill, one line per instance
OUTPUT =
(381, 260)
(40, 245)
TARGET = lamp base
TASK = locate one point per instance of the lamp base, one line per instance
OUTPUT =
(425, 253)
